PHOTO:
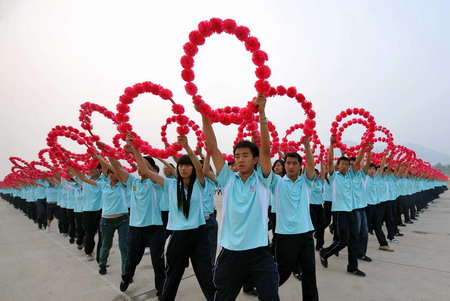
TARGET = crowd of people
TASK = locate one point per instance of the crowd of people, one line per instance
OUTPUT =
(296, 201)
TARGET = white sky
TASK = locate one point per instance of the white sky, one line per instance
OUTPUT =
(389, 57)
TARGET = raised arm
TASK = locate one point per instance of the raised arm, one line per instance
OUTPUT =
(172, 170)
(359, 158)
(368, 160)
(197, 165)
(207, 168)
(118, 169)
(323, 169)
(331, 156)
(264, 151)
(82, 176)
(142, 166)
(310, 172)
(211, 142)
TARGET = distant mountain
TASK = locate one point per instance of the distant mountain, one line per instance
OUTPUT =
(422, 152)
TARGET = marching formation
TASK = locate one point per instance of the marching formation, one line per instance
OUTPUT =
(172, 215)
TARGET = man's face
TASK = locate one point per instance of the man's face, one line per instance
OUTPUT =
(167, 172)
(343, 166)
(244, 160)
(95, 173)
(292, 166)
(372, 171)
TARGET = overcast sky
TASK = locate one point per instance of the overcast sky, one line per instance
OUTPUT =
(389, 57)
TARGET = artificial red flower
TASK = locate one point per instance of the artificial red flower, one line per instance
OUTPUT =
(190, 88)
(252, 44)
(187, 75)
(187, 62)
(196, 38)
(190, 49)
(242, 33)
(229, 26)
(259, 57)
(177, 109)
(216, 25)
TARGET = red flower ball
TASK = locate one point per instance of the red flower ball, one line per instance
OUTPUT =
(187, 62)
(242, 33)
(187, 75)
(190, 49)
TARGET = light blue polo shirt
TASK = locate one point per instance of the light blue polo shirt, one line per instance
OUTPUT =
(40, 190)
(71, 195)
(93, 195)
(113, 198)
(370, 185)
(51, 194)
(244, 210)
(292, 200)
(79, 199)
(144, 202)
(383, 189)
(208, 199)
(357, 187)
(177, 220)
(316, 189)
(64, 198)
(273, 207)
(326, 193)
(341, 191)
(164, 203)
(392, 186)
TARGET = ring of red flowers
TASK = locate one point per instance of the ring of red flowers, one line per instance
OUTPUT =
(197, 38)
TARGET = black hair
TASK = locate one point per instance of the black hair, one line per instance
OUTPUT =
(294, 155)
(229, 163)
(156, 167)
(150, 160)
(281, 161)
(184, 202)
(343, 159)
(247, 144)
(99, 166)
(352, 159)
(373, 165)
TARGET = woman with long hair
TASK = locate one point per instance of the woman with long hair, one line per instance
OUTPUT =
(189, 238)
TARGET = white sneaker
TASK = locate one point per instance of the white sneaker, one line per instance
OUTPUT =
(147, 251)
(394, 241)
(90, 257)
(47, 230)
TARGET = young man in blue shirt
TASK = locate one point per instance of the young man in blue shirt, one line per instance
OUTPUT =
(295, 242)
(245, 252)
(346, 219)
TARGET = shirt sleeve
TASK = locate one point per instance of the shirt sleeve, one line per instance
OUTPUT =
(265, 181)
(169, 184)
(224, 176)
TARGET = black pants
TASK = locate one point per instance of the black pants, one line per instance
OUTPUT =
(71, 224)
(41, 212)
(347, 231)
(63, 224)
(32, 212)
(183, 245)
(165, 219)
(51, 211)
(403, 203)
(318, 220)
(234, 267)
(374, 221)
(389, 219)
(293, 249)
(327, 212)
(79, 228)
(139, 238)
(91, 222)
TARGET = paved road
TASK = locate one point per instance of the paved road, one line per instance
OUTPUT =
(35, 265)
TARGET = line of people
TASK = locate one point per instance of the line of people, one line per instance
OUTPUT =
(147, 210)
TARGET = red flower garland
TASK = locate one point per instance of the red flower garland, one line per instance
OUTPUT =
(197, 38)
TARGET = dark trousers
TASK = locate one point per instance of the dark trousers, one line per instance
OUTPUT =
(51, 211)
(41, 212)
(91, 222)
(63, 225)
(318, 220)
(389, 219)
(165, 220)
(139, 238)
(363, 231)
(347, 231)
(32, 212)
(293, 249)
(211, 228)
(79, 227)
(374, 219)
(234, 267)
(183, 245)
(327, 212)
(71, 224)
(403, 203)
(107, 227)
(273, 225)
